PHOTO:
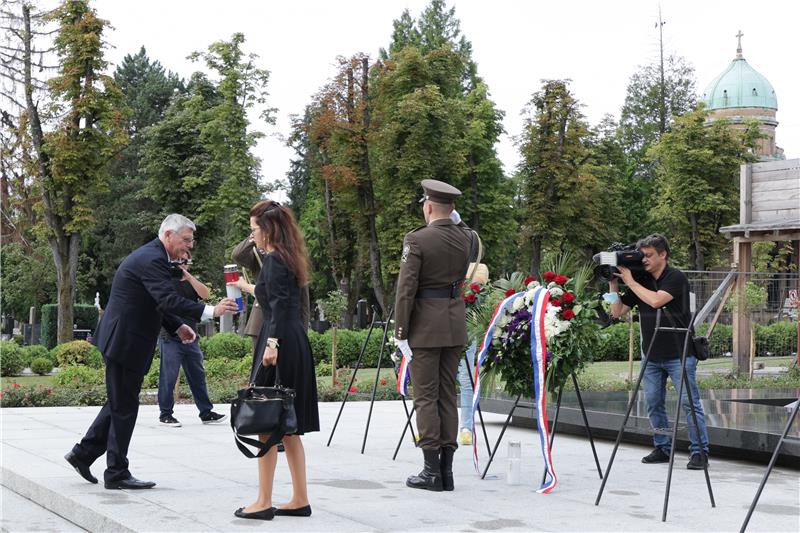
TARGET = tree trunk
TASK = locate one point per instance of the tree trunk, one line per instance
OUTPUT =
(699, 260)
(65, 256)
(536, 255)
(367, 194)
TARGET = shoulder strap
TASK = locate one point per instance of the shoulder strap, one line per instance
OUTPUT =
(263, 447)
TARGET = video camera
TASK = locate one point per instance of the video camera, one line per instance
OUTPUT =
(618, 254)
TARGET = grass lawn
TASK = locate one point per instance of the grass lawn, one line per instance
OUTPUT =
(27, 381)
(365, 378)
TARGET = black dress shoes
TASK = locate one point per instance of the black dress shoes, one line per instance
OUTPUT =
(130, 483)
(80, 467)
(300, 511)
(266, 514)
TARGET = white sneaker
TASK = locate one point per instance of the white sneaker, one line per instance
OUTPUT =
(465, 437)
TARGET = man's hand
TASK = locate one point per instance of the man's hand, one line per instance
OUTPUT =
(226, 306)
(625, 275)
(270, 356)
(405, 349)
(186, 334)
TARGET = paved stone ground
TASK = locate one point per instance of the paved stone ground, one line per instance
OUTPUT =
(202, 478)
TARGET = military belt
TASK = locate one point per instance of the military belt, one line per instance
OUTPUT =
(452, 292)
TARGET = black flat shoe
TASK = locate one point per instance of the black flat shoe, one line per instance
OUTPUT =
(80, 467)
(266, 514)
(300, 511)
(130, 483)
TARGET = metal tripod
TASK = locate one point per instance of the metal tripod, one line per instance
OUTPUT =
(684, 380)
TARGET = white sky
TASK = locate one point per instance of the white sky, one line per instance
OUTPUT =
(598, 44)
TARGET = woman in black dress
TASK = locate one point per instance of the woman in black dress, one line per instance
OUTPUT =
(283, 341)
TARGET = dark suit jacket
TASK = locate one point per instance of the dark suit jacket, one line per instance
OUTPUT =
(143, 296)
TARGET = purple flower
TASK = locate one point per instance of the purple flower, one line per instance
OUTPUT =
(549, 355)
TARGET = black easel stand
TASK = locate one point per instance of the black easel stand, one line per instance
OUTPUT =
(684, 380)
(409, 415)
(373, 324)
(772, 461)
(553, 433)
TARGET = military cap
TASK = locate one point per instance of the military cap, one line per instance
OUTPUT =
(439, 192)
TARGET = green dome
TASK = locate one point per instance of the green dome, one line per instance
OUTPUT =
(740, 85)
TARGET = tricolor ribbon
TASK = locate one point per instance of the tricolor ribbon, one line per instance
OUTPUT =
(403, 378)
(540, 299)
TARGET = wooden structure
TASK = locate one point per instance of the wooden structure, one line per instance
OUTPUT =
(769, 210)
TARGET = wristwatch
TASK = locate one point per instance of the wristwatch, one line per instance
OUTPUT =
(272, 343)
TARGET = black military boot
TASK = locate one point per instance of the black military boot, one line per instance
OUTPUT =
(446, 464)
(431, 476)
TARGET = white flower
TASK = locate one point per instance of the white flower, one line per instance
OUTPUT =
(532, 285)
(552, 284)
(555, 292)
(518, 304)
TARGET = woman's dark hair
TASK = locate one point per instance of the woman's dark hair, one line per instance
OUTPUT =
(656, 240)
(281, 232)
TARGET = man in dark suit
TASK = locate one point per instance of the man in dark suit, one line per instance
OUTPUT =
(430, 328)
(143, 297)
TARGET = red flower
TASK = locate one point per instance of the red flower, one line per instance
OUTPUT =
(475, 287)
(555, 301)
(561, 280)
(528, 280)
(470, 298)
(510, 292)
(26, 398)
(567, 314)
(49, 391)
(2, 394)
(549, 276)
(15, 385)
(352, 388)
(383, 381)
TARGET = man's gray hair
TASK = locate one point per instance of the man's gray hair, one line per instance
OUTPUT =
(175, 222)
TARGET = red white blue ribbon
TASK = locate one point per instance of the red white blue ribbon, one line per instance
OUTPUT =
(403, 378)
(540, 299)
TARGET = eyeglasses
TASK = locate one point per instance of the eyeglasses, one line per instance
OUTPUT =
(187, 240)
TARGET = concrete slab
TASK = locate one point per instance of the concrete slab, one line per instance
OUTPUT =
(202, 479)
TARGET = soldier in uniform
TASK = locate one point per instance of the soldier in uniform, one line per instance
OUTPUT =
(430, 327)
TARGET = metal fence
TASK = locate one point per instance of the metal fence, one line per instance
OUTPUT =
(775, 323)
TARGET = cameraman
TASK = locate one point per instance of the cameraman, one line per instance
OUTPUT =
(667, 288)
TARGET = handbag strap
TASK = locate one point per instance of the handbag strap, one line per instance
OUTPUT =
(274, 438)
(259, 368)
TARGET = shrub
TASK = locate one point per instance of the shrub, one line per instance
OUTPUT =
(77, 352)
(151, 378)
(721, 341)
(778, 338)
(319, 348)
(614, 343)
(348, 346)
(85, 317)
(222, 368)
(202, 343)
(11, 358)
(323, 368)
(228, 345)
(79, 376)
(42, 365)
(35, 351)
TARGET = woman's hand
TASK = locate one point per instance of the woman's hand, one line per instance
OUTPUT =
(270, 356)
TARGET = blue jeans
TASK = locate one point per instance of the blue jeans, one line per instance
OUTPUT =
(466, 386)
(655, 394)
(175, 354)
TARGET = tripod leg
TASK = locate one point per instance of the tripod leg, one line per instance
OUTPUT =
(375, 385)
(622, 429)
(403, 434)
(693, 412)
(555, 425)
(586, 425)
(672, 447)
(770, 466)
(352, 379)
(502, 432)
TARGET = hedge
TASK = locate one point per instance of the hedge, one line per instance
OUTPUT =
(85, 317)
(42, 365)
(348, 346)
(228, 346)
(35, 351)
(778, 338)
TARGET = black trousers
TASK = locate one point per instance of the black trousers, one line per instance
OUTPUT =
(111, 431)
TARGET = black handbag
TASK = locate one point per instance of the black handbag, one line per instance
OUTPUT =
(262, 411)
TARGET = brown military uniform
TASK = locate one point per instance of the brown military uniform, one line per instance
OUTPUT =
(247, 255)
(434, 258)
